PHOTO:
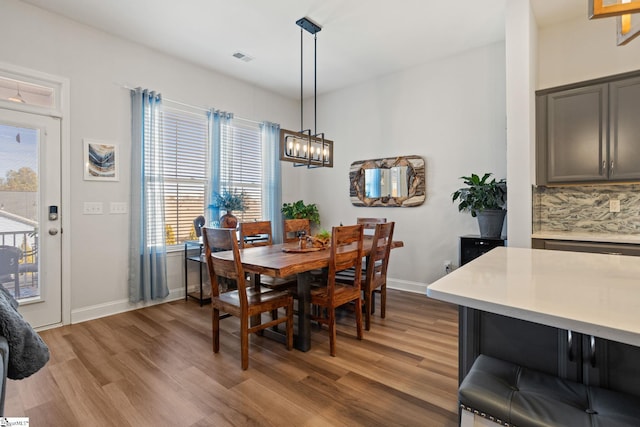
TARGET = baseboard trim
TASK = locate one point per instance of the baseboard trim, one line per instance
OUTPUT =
(120, 306)
(115, 307)
(407, 286)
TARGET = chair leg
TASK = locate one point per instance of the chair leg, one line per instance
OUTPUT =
(373, 302)
(215, 327)
(332, 331)
(274, 316)
(290, 325)
(368, 299)
(244, 341)
(359, 319)
(383, 300)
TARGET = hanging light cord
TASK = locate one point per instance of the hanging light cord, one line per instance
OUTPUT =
(315, 84)
(301, 77)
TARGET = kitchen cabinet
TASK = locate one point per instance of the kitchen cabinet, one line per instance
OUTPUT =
(589, 132)
(593, 247)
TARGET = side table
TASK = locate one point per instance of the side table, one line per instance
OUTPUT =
(193, 252)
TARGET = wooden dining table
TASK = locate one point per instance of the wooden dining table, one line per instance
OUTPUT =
(282, 260)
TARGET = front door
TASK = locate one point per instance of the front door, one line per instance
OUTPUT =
(30, 227)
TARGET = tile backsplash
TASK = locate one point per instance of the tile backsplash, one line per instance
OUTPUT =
(585, 208)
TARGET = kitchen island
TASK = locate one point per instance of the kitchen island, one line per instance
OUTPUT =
(574, 315)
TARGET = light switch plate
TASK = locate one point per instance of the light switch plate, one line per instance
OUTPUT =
(118, 208)
(92, 208)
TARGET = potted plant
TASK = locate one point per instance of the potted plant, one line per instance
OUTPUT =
(299, 210)
(485, 199)
(229, 201)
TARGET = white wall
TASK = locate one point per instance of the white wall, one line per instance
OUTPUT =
(452, 113)
(581, 49)
(97, 65)
(520, 32)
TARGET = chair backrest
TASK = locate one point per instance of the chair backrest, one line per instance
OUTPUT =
(198, 223)
(345, 252)
(9, 265)
(378, 259)
(216, 239)
(370, 223)
(293, 227)
(256, 233)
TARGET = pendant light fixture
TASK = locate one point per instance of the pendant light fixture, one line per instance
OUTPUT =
(17, 97)
(626, 14)
(307, 148)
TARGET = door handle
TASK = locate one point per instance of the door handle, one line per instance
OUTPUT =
(53, 231)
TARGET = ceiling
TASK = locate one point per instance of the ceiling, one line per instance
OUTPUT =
(360, 39)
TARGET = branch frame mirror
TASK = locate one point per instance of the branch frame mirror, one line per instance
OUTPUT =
(388, 182)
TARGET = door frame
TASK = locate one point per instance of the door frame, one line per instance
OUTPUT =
(61, 111)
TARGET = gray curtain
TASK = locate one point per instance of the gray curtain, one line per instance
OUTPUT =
(217, 121)
(271, 187)
(147, 250)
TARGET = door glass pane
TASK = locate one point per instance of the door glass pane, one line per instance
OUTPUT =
(22, 92)
(19, 211)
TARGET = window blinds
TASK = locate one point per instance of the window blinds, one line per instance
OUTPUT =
(241, 165)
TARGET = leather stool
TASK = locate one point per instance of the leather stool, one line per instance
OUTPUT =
(510, 395)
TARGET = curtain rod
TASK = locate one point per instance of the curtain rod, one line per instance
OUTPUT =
(197, 107)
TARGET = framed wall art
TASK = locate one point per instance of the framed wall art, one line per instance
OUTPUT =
(101, 161)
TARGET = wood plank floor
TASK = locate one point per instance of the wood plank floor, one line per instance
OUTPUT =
(155, 367)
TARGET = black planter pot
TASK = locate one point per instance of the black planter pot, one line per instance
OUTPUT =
(490, 222)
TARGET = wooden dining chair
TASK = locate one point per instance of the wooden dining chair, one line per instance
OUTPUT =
(243, 302)
(292, 228)
(346, 251)
(255, 233)
(370, 223)
(374, 278)
(261, 231)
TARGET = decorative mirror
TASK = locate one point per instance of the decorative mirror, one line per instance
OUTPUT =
(388, 182)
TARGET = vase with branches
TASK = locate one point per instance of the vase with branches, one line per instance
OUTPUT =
(229, 200)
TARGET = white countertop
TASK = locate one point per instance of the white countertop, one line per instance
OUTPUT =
(595, 294)
(585, 236)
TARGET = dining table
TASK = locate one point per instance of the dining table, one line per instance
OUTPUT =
(284, 260)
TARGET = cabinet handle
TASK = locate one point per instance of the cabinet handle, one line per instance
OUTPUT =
(592, 351)
(570, 345)
(604, 166)
(611, 170)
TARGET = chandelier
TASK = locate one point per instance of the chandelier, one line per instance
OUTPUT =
(307, 148)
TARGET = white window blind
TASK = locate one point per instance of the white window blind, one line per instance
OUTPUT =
(241, 165)
(185, 137)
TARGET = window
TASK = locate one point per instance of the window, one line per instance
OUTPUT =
(241, 165)
(185, 139)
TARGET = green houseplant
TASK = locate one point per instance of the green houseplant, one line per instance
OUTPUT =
(485, 199)
(229, 201)
(299, 210)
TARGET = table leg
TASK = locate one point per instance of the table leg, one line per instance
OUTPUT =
(303, 339)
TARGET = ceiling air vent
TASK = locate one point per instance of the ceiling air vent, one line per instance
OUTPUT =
(243, 57)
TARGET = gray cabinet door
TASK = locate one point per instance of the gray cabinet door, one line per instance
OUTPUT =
(576, 137)
(624, 129)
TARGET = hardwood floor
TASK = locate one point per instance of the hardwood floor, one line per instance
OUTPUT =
(155, 367)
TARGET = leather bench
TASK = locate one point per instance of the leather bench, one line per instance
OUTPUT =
(510, 395)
